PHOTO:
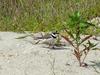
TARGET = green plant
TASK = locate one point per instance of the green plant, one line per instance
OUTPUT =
(76, 27)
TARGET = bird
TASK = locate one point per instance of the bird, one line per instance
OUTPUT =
(51, 41)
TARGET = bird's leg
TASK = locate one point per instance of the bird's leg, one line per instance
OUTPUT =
(52, 46)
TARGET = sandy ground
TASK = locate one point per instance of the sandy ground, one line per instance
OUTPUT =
(20, 57)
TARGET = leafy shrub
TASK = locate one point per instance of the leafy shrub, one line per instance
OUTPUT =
(76, 27)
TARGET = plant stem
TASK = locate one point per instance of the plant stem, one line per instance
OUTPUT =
(79, 55)
(85, 56)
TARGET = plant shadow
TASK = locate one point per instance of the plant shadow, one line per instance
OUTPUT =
(96, 66)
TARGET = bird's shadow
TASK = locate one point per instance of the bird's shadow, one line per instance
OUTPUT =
(57, 48)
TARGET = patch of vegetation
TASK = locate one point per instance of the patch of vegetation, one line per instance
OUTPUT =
(42, 15)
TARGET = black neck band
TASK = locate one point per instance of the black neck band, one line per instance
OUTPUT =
(53, 36)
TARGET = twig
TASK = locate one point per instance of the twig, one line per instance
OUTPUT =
(52, 65)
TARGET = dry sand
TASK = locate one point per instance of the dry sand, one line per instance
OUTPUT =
(20, 57)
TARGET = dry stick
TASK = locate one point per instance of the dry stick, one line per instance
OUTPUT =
(52, 65)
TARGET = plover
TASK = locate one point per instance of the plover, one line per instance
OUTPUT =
(52, 40)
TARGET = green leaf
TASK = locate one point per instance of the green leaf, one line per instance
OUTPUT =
(91, 45)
